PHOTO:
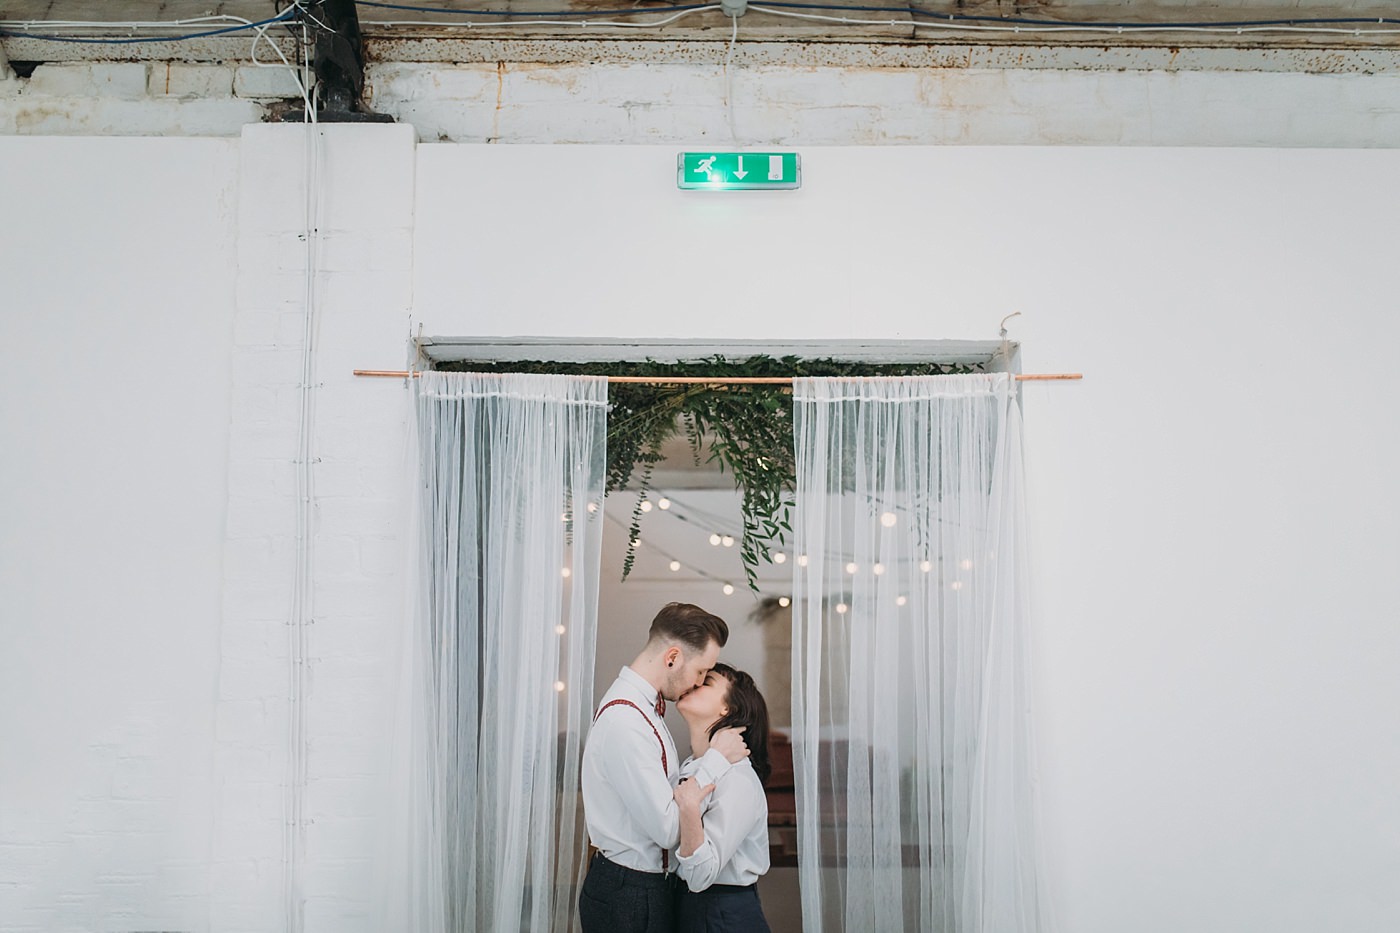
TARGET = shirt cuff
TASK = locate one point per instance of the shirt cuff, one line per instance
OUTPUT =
(713, 766)
(700, 856)
(698, 869)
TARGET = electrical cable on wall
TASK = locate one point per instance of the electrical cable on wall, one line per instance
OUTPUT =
(1353, 26)
(583, 20)
(620, 11)
(306, 550)
(258, 27)
(21, 29)
(964, 22)
(303, 608)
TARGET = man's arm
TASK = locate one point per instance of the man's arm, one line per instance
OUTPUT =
(631, 764)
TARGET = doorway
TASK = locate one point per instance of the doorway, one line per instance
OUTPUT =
(685, 544)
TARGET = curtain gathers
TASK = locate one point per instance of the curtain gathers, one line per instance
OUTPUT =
(910, 688)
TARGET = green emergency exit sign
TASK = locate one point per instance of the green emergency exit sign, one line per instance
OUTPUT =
(739, 171)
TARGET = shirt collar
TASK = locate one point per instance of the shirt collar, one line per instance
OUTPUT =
(639, 682)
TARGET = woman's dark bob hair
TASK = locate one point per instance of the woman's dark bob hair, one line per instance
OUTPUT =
(749, 712)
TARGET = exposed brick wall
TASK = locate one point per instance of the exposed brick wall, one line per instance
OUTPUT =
(587, 102)
(632, 103)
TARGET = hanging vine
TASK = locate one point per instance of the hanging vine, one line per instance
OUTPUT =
(745, 430)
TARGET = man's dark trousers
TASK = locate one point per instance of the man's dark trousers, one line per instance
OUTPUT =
(615, 899)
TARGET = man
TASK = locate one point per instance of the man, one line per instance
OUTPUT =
(630, 769)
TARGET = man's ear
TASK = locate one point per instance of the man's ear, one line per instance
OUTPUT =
(673, 656)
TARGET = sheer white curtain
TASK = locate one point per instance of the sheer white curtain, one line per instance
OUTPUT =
(910, 706)
(511, 478)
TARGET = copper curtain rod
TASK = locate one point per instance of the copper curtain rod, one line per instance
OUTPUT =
(717, 380)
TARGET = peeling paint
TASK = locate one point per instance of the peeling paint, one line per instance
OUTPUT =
(890, 54)
(897, 94)
(500, 96)
(921, 47)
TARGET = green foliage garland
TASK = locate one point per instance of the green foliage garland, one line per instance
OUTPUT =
(744, 429)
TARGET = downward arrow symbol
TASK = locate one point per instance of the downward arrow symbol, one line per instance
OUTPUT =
(739, 172)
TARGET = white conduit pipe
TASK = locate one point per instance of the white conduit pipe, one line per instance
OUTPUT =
(303, 609)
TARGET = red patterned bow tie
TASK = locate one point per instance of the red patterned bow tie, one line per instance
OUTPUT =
(660, 704)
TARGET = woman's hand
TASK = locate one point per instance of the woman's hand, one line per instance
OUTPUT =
(689, 794)
(730, 744)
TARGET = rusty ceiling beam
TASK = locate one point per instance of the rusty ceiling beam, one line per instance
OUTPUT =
(338, 59)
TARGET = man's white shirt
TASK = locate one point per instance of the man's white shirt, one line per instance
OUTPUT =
(628, 800)
(735, 850)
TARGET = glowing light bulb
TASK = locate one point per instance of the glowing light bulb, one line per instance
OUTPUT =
(559, 630)
(879, 569)
(955, 585)
(663, 503)
(635, 543)
(965, 563)
(592, 506)
(802, 560)
(784, 601)
(646, 505)
(900, 600)
(559, 686)
(675, 565)
(925, 565)
(566, 573)
(841, 608)
(728, 540)
(889, 519)
(564, 516)
(779, 557)
(714, 539)
(852, 567)
(729, 589)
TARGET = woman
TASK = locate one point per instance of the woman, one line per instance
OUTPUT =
(724, 839)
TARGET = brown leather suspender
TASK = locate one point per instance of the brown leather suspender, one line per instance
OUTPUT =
(665, 765)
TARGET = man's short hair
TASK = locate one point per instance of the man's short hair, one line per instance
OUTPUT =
(688, 625)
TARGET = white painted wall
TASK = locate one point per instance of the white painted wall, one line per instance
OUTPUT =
(116, 321)
(1213, 503)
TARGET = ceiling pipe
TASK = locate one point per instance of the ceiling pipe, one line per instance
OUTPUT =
(338, 59)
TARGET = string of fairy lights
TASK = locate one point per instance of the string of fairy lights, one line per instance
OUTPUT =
(721, 532)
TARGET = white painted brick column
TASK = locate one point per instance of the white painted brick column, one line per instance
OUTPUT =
(366, 266)
(362, 291)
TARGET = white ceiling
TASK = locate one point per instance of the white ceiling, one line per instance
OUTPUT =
(444, 34)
